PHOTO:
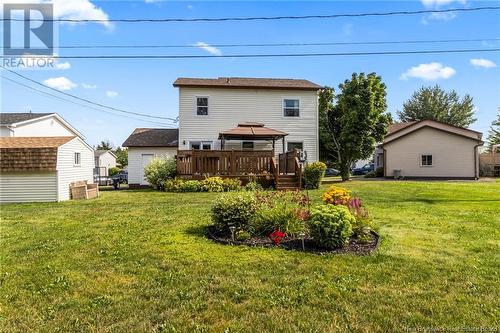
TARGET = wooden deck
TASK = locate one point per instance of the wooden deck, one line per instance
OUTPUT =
(242, 164)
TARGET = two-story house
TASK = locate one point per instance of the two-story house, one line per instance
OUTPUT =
(40, 155)
(209, 107)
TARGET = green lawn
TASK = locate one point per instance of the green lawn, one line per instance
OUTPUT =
(138, 261)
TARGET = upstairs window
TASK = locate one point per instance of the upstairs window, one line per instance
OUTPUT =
(426, 160)
(202, 106)
(291, 107)
(78, 159)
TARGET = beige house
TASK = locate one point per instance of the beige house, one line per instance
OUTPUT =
(431, 150)
(143, 145)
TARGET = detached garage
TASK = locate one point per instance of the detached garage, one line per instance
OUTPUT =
(38, 169)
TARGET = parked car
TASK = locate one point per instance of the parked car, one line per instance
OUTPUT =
(364, 169)
(330, 172)
(122, 177)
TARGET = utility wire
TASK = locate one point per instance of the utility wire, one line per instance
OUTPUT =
(255, 18)
(278, 44)
(262, 55)
(87, 100)
(83, 105)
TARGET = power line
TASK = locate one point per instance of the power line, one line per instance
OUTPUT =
(264, 55)
(87, 100)
(279, 44)
(255, 18)
(83, 105)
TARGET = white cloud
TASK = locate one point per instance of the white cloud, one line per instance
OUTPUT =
(438, 17)
(190, 7)
(438, 3)
(210, 49)
(73, 9)
(63, 65)
(111, 93)
(429, 72)
(61, 83)
(483, 63)
(89, 86)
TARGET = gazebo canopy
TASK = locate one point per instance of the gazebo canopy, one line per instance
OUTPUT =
(251, 131)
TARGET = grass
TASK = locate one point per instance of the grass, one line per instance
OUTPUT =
(137, 261)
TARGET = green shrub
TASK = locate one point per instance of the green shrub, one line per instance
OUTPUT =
(331, 226)
(233, 209)
(173, 185)
(159, 170)
(190, 186)
(242, 235)
(231, 184)
(280, 216)
(113, 171)
(377, 173)
(313, 174)
(253, 186)
(212, 184)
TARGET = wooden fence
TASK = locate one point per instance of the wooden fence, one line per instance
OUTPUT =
(224, 162)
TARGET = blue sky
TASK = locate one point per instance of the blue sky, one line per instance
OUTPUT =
(146, 85)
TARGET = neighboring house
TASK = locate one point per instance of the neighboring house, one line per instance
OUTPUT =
(143, 145)
(429, 149)
(104, 160)
(284, 108)
(42, 168)
(35, 125)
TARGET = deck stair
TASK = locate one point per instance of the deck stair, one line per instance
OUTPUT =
(288, 183)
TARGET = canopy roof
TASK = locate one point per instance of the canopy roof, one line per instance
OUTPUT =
(251, 131)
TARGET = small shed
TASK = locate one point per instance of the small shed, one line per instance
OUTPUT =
(39, 169)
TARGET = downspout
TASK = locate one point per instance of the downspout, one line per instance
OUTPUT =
(476, 162)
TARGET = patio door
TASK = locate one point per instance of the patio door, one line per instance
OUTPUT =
(145, 159)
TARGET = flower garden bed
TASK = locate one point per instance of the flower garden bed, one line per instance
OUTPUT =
(291, 243)
(341, 224)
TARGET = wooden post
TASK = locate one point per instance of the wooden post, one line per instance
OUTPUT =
(193, 161)
(232, 160)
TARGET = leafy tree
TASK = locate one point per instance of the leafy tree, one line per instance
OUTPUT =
(325, 104)
(105, 145)
(436, 104)
(121, 156)
(356, 122)
(494, 133)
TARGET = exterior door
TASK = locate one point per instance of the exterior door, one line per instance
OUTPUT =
(145, 159)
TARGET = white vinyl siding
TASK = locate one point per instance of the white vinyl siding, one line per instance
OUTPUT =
(28, 187)
(452, 155)
(43, 127)
(134, 168)
(68, 171)
(228, 107)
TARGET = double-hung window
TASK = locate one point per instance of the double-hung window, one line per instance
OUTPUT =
(426, 160)
(291, 107)
(247, 145)
(202, 106)
(201, 145)
(77, 159)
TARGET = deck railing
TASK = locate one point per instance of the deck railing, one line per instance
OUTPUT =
(224, 162)
(287, 162)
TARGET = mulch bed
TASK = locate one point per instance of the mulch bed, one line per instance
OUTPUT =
(354, 247)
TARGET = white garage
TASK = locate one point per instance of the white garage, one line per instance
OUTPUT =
(143, 145)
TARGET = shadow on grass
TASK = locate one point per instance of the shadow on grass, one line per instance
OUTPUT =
(196, 230)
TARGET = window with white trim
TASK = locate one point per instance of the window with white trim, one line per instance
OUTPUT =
(291, 146)
(247, 145)
(201, 145)
(202, 106)
(426, 160)
(78, 159)
(291, 107)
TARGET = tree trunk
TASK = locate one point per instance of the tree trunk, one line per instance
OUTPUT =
(345, 170)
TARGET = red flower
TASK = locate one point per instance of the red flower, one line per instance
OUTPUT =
(276, 236)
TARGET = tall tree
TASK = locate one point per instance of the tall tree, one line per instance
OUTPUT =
(436, 104)
(357, 121)
(121, 156)
(105, 145)
(494, 133)
(325, 105)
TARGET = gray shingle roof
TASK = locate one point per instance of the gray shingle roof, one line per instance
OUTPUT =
(12, 118)
(244, 82)
(153, 137)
